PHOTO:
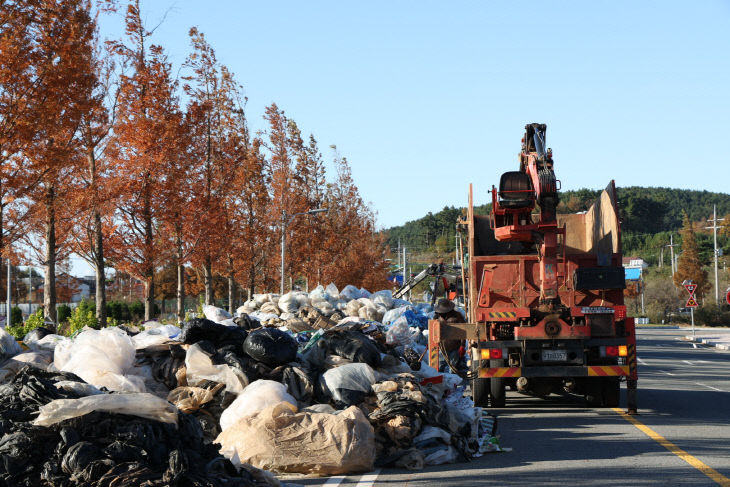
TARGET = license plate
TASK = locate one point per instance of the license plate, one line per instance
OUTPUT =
(554, 355)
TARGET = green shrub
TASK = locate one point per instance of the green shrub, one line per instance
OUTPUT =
(16, 316)
(711, 315)
(63, 312)
(136, 310)
(80, 317)
(20, 330)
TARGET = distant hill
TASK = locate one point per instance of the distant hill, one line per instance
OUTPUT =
(648, 216)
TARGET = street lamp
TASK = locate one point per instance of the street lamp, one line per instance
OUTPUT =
(286, 219)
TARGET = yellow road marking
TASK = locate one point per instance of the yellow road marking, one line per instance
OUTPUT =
(716, 476)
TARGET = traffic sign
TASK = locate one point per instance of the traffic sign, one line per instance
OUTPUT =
(691, 302)
(690, 288)
(727, 297)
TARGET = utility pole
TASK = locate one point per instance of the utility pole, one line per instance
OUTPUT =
(714, 234)
(661, 256)
(671, 248)
(7, 306)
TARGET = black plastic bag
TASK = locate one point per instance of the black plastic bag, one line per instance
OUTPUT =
(271, 346)
(199, 329)
(352, 345)
(247, 322)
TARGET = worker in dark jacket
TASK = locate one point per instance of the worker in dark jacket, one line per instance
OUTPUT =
(444, 311)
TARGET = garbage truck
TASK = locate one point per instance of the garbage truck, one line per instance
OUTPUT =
(545, 301)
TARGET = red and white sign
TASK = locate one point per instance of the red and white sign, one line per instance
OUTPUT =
(727, 297)
(690, 288)
(691, 302)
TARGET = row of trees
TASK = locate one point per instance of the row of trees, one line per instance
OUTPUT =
(100, 157)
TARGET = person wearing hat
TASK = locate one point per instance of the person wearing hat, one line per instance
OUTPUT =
(444, 311)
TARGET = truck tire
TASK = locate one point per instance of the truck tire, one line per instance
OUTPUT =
(594, 393)
(496, 387)
(479, 387)
(480, 392)
(611, 392)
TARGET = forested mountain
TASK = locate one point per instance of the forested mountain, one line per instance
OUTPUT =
(648, 217)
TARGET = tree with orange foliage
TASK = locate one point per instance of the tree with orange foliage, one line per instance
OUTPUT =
(217, 149)
(146, 135)
(94, 200)
(18, 101)
(64, 36)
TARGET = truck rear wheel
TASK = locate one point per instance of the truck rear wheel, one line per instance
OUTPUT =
(479, 387)
(480, 392)
(611, 392)
(496, 387)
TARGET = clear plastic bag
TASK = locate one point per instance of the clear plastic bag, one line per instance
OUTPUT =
(213, 313)
(156, 336)
(356, 377)
(332, 290)
(8, 345)
(393, 314)
(142, 404)
(258, 396)
(100, 357)
(399, 333)
(384, 297)
(199, 367)
(350, 292)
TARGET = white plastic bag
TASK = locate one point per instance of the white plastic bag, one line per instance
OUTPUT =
(8, 345)
(256, 397)
(199, 367)
(102, 358)
(353, 377)
(213, 313)
(350, 292)
(352, 308)
(384, 297)
(289, 303)
(143, 405)
(399, 333)
(331, 289)
(393, 314)
(48, 342)
(156, 336)
(370, 313)
(270, 308)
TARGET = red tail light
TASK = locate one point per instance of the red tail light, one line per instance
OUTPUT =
(495, 353)
(612, 351)
(619, 313)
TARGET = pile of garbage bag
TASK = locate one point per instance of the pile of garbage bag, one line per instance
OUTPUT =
(222, 399)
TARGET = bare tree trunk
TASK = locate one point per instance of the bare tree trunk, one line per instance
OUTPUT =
(208, 279)
(180, 281)
(99, 265)
(149, 274)
(231, 292)
(98, 246)
(49, 282)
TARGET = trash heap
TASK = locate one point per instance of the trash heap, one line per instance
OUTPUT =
(223, 399)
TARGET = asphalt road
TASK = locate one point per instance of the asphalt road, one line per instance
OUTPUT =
(684, 400)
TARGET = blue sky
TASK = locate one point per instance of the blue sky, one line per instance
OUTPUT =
(426, 97)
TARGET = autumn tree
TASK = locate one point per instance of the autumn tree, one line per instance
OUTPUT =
(146, 135)
(93, 189)
(217, 149)
(64, 37)
(253, 233)
(689, 266)
(19, 95)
